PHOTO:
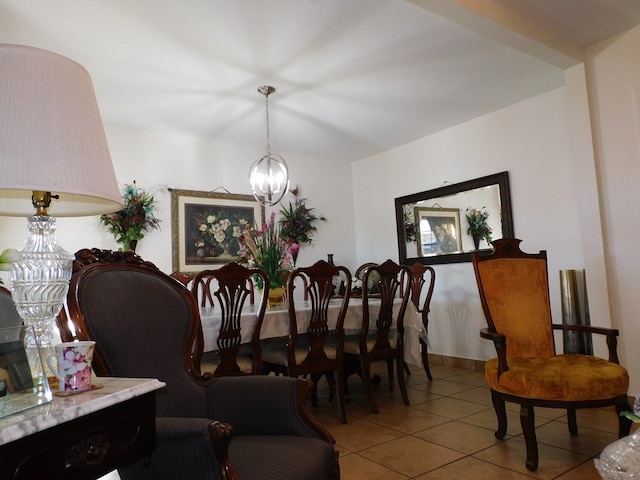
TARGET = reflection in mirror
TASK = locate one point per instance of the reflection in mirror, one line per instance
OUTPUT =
(438, 230)
(437, 226)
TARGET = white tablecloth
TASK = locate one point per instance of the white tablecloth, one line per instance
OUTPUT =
(276, 324)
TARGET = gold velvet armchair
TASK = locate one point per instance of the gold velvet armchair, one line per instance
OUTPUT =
(514, 292)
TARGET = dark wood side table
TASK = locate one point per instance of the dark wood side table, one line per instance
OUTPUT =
(82, 436)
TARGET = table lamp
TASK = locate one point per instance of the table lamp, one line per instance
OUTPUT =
(54, 160)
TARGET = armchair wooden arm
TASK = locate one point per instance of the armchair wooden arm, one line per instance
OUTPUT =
(500, 342)
(610, 333)
(220, 434)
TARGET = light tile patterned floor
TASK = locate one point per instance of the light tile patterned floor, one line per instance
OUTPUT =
(448, 433)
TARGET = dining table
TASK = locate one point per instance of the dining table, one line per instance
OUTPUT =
(276, 323)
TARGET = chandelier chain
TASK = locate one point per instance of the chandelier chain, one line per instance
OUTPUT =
(266, 101)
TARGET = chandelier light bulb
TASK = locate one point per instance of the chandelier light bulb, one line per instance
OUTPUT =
(269, 178)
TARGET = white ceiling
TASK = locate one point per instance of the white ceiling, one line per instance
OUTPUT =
(353, 77)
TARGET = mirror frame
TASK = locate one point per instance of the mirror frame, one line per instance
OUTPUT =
(501, 179)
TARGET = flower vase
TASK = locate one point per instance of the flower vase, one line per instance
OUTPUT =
(129, 246)
(476, 241)
(620, 459)
(276, 296)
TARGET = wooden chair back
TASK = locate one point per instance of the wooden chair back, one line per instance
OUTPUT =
(231, 285)
(393, 278)
(202, 290)
(373, 280)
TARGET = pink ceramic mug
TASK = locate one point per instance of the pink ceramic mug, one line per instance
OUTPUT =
(73, 365)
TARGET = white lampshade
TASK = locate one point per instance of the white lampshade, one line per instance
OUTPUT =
(51, 136)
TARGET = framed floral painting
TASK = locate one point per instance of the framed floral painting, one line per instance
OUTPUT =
(206, 227)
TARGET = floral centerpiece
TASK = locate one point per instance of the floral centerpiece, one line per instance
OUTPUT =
(477, 225)
(136, 218)
(297, 222)
(265, 248)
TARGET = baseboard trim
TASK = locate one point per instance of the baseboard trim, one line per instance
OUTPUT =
(436, 359)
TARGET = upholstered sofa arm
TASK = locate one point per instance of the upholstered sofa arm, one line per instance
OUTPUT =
(200, 443)
(264, 405)
(500, 342)
(610, 333)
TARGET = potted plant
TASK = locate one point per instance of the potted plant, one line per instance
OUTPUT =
(136, 218)
(298, 222)
(477, 225)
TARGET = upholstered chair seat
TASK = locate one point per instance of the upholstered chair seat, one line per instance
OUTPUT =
(561, 377)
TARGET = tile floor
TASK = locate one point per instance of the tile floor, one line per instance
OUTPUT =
(448, 433)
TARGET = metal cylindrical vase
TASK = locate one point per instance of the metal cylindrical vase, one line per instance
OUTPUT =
(575, 311)
(587, 339)
(572, 341)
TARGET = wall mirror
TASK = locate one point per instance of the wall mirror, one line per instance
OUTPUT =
(432, 225)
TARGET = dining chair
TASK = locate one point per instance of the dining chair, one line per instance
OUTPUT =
(372, 283)
(146, 324)
(382, 339)
(231, 285)
(422, 276)
(514, 292)
(316, 350)
(203, 292)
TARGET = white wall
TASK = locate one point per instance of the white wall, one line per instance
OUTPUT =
(156, 161)
(530, 140)
(613, 68)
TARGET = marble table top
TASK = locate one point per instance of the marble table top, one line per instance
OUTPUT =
(63, 409)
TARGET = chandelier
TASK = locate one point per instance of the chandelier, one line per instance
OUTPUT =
(269, 175)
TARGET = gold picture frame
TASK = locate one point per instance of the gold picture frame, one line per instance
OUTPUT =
(205, 227)
(438, 231)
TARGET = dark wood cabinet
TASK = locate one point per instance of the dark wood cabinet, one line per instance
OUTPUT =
(84, 447)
